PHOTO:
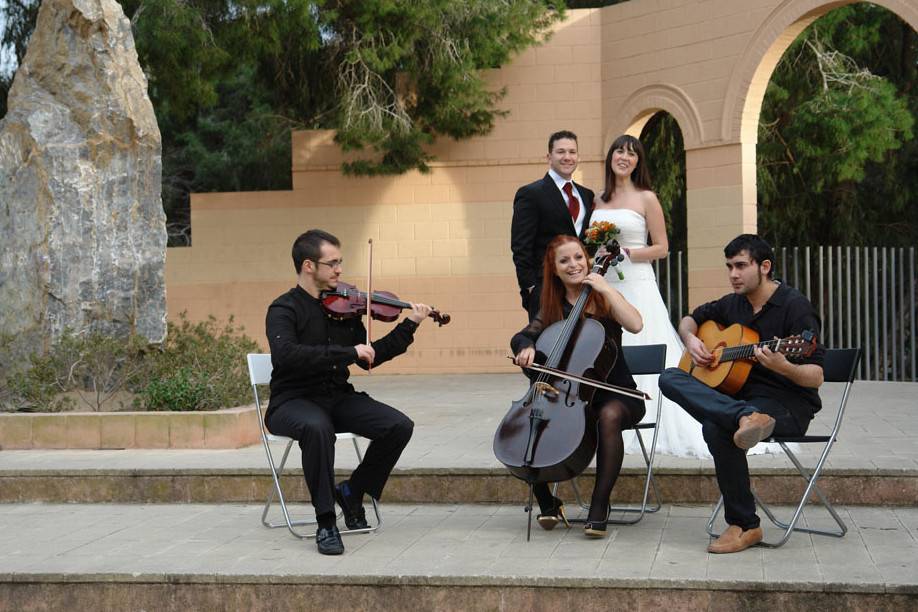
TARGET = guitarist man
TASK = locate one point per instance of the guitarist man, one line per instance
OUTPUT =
(779, 396)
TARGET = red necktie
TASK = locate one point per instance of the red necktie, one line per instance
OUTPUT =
(573, 206)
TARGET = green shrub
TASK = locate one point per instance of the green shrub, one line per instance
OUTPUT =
(177, 392)
(201, 366)
(90, 367)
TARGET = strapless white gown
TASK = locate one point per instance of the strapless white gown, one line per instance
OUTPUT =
(679, 434)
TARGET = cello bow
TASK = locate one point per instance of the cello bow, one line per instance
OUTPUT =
(635, 393)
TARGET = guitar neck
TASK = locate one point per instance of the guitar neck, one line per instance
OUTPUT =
(747, 351)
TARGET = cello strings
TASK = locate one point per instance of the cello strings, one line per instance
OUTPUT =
(555, 355)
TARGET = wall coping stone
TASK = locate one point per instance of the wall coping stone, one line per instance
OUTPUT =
(225, 428)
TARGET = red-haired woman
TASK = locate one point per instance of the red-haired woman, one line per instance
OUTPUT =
(566, 271)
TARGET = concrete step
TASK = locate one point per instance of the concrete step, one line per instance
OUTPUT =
(431, 485)
(439, 557)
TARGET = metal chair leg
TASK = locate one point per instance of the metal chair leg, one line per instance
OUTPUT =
(791, 526)
(290, 523)
(372, 500)
(529, 514)
(276, 471)
(641, 510)
(649, 483)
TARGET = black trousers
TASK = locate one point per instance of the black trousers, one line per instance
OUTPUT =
(314, 422)
(531, 299)
(719, 415)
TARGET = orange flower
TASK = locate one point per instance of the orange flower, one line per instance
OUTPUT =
(600, 232)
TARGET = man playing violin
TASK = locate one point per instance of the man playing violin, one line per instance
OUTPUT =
(779, 397)
(311, 397)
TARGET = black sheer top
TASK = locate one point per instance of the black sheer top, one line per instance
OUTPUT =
(619, 375)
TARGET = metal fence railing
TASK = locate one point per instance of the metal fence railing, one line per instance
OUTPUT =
(865, 296)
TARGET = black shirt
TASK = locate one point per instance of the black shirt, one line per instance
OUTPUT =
(311, 351)
(787, 312)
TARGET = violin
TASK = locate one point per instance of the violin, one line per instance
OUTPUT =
(549, 434)
(346, 301)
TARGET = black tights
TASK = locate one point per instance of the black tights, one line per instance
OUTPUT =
(609, 458)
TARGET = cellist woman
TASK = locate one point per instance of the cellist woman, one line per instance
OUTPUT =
(566, 270)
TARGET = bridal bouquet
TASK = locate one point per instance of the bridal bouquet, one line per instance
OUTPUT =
(598, 235)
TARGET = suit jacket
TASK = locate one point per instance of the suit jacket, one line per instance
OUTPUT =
(539, 214)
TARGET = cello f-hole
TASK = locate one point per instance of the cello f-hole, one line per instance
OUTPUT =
(568, 400)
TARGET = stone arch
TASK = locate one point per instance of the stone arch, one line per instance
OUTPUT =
(645, 102)
(746, 88)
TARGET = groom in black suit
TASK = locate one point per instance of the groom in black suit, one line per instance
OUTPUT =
(544, 209)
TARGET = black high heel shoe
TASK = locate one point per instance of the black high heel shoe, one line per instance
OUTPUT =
(550, 519)
(594, 529)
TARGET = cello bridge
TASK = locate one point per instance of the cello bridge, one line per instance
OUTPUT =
(547, 390)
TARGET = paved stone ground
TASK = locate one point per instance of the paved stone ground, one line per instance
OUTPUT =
(878, 553)
(456, 416)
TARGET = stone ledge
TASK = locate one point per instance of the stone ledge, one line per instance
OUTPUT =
(472, 593)
(253, 485)
(455, 580)
(227, 428)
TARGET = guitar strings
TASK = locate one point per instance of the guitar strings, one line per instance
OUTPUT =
(730, 353)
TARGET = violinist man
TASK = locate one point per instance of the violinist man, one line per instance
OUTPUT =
(778, 397)
(551, 206)
(311, 398)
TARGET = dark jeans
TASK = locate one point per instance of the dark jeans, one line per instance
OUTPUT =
(719, 415)
(313, 424)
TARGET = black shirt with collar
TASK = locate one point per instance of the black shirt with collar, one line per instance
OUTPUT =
(311, 351)
(786, 313)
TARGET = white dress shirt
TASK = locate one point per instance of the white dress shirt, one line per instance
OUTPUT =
(559, 181)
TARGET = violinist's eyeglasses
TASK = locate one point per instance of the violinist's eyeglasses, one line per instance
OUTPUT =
(334, 263)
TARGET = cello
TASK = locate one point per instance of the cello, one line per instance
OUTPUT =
(549, 434)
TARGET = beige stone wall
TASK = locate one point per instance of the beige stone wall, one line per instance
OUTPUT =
(443, 237)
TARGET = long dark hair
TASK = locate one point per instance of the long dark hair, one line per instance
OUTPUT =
(639, 176)
(553, 288)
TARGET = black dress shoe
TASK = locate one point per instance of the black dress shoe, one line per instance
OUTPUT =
(550, 518)
(329, 541)
(355, 517)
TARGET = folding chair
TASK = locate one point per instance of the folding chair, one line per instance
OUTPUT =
(840, 365)
(260, 374)
(649, 359)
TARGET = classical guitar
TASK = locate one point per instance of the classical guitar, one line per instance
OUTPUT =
(733, 349)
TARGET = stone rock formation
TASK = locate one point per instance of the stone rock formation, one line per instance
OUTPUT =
(82, 228)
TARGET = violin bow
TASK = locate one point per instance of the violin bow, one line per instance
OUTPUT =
(635, 393)
(369, 296)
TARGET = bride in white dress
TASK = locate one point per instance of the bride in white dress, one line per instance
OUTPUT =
(628, 202)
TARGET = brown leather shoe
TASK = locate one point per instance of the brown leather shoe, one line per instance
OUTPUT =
(734, 539)
(753, 428)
